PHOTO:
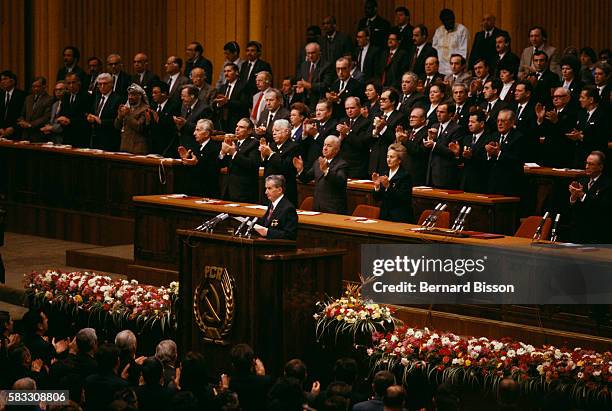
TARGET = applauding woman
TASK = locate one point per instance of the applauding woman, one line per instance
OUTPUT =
(395, 190)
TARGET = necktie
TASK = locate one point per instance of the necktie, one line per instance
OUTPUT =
(359, 62)
(71, 99)
(188, 112)
(502, 139)
(415, 57)
(228, 91)
(474, 138)
(114, 82)
(520, 111)
(341, 89)
(486, 34)
(170, 81)
(590, 185)
(159, 108)
(7, 100)
(489, 106)
(458, 110)
(427, 81)
(100, 106)
(269, 214)
(351, 122)
(270, 118)
(441, 130)
(311, 72)
(249, 68)
(405, 99)
(454, 78)
(256, 107)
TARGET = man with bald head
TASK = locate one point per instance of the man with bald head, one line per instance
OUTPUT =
(121, 79)
(142, 75)
(198, 79)
(277, 156)
(344, 86)
(329, 175)
(174, 78)
(484, 41)
(353, 133)
(314, 76)
(412, 139)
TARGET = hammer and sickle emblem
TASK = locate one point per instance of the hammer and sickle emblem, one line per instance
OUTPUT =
(211, 304)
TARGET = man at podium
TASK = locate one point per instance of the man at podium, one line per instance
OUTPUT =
(280, 220)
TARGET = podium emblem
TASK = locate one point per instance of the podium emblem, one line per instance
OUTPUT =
(214, 305)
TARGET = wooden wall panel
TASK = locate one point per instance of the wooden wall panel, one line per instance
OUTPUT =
(12, 35)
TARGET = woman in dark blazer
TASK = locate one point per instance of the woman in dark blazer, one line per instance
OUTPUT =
(395, 190)
(437, 95)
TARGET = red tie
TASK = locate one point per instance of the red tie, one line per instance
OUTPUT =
(256, 107)
(269, 215)
(384, 76)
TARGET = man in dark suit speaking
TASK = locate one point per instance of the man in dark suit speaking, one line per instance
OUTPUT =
(280, 220)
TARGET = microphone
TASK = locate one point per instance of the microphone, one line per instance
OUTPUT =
(538, 234)
(553, 233)
(430, 216)
(458, 219)
(462, 222)
(204, 226)
(240, 227)
(250, 227)
(222, 217)
(434, 218)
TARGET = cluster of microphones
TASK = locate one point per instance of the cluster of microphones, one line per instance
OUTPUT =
(245, 229)
(553, 233)
(458, 224)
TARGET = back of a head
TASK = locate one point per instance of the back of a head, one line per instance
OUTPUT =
(86, 340)
(227, 401)
(394, 398)
(345, 370)
(296, 369)
(242, 356)
(152, 371)
(184, 401)
(447, 398)
(193, 371)
(286, 395)
(508, 393)
(382, 380)
(336, 403)
(166, 352)
(24, 384)
(339, 388)
(107, 357)
(126, 341)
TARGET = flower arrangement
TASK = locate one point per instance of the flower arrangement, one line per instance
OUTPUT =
(99, 294)
(351, 315)
(583, 373)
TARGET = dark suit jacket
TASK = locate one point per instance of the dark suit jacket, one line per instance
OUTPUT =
(281, 162)
(510, 60)
(281, 113)
(163, 133)
(506, 172)
(462, 116)
(283, 223)
(396, 201)
(418, 66)
(311, 148)
(379, 30)
(331, 50)
(37, 115)
(442, 171)
(100, 389)
(596, 134)
(175, 91)
(62, 72)
(236, 108)
(475, 169)
(591, 222)
(203, 63)
(380, 144)
(558, 150)
(371, 64)
(491, 123)
(147, 80)
(353, 88)
(355, 147)
(330, 189)
(241, 183)
(527, 124)
(260, 65)
(105, 136)
(77, 133)
(13, 111)
(322, 77)
(541, 90)
(414, 100)
(199, 111)
(484, 48)
(392, 70)
(124, 80)
(416, 160)
(405, 37)
(204, 176)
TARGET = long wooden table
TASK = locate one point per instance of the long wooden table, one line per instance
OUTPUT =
(156, 251)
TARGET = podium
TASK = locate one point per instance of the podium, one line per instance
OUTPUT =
(256, 291)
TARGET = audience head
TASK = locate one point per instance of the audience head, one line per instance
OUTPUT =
(105, 83)
(296, 369)
(409, 82)
(343, 68)
(8, 80)
(437, 93)
(604, 56)
(419, 35)
(447, 17)
(313, 33)
(189, 95)
(540, 60)
(242, 358)
(505, 121)
(402, 16)
(173, 65)
(363, 38)
(108, 356)
(136, 95)
(476, 122)
(231, 51)
(230, 71)
(203, 130)
(460, 93)
(508, 393)
(601, 74)
(253, 50)
(560, 97)
(587, 56)
(152, 371)
(331, 147)
(418, 117)
(287, 85)
(263, 80)
(481, 68)
(372, 91)
(71, 55)
(370, 8)
(432, 64)
(114, 64)
(94, 64)
(126, 342)
(87, 341)
(491, 89)
(39, 85)
(281, 131)
(36, 322)
(275, 186)
(160, 91)
(299, 112)
(594, 164)
(274, 99)
(352, 107)
(244, 128)
(522, 91)
(537, 36)
(396, 155)
(198, 77)
(141, 61)
(589, 97)
(345, 369)
(23, 384)
(329, 25)
(383, 379)
(457, 63)
(73, 83)
(388, 99)
(488, 22)
(166, 350)
(502, 43)
(193, 371)
(445, 112)
(393, 40)
(394, 398)
(323, 110)
(194, 51)
(570, 67)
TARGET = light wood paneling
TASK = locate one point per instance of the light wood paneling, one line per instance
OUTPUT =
(12, 33)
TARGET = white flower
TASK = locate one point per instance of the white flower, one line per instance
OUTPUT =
(596, 373)
(580, 375)
(540, 369)
(404, 361)
(520, 351)
(418, 334)
(410, 332)
(511, 353)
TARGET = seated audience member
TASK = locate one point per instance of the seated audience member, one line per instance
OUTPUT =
(131, 120)
(248, 378)
(481, 76)
(52, 130)
(289, 95)
(102, 115)
(463, 105)
(508, 79)
(558, 149)
(382, 380)
(280, 220)
(205, 92)
(355, 141)
(394, 398)
(36, 111)
(263, 81)
(241, 157)
(299, 112)
(152, 395)
(36, 339)
(394, 191)
(72, 117)
(127, 343)
(505, 157)
(442, 137)
(474, 157)
(101, 386)
(602, 75)
(84, 361)
(417, 156)
(329, 174)
(204, 157)
(11, 105)
(166, 353)
(277, 157)
(526, 121)
(590, 200)
(194, 378)
(232, 100)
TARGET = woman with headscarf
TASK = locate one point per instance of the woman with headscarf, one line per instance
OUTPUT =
(131, 120)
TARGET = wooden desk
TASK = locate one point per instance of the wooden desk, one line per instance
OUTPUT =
(156, 246)
(79, 195)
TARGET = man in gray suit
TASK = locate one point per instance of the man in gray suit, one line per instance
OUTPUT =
(329, 174)
(537, 38)
(36, 111)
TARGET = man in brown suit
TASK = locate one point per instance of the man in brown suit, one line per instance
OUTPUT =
(132, 120)
(36, 111)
